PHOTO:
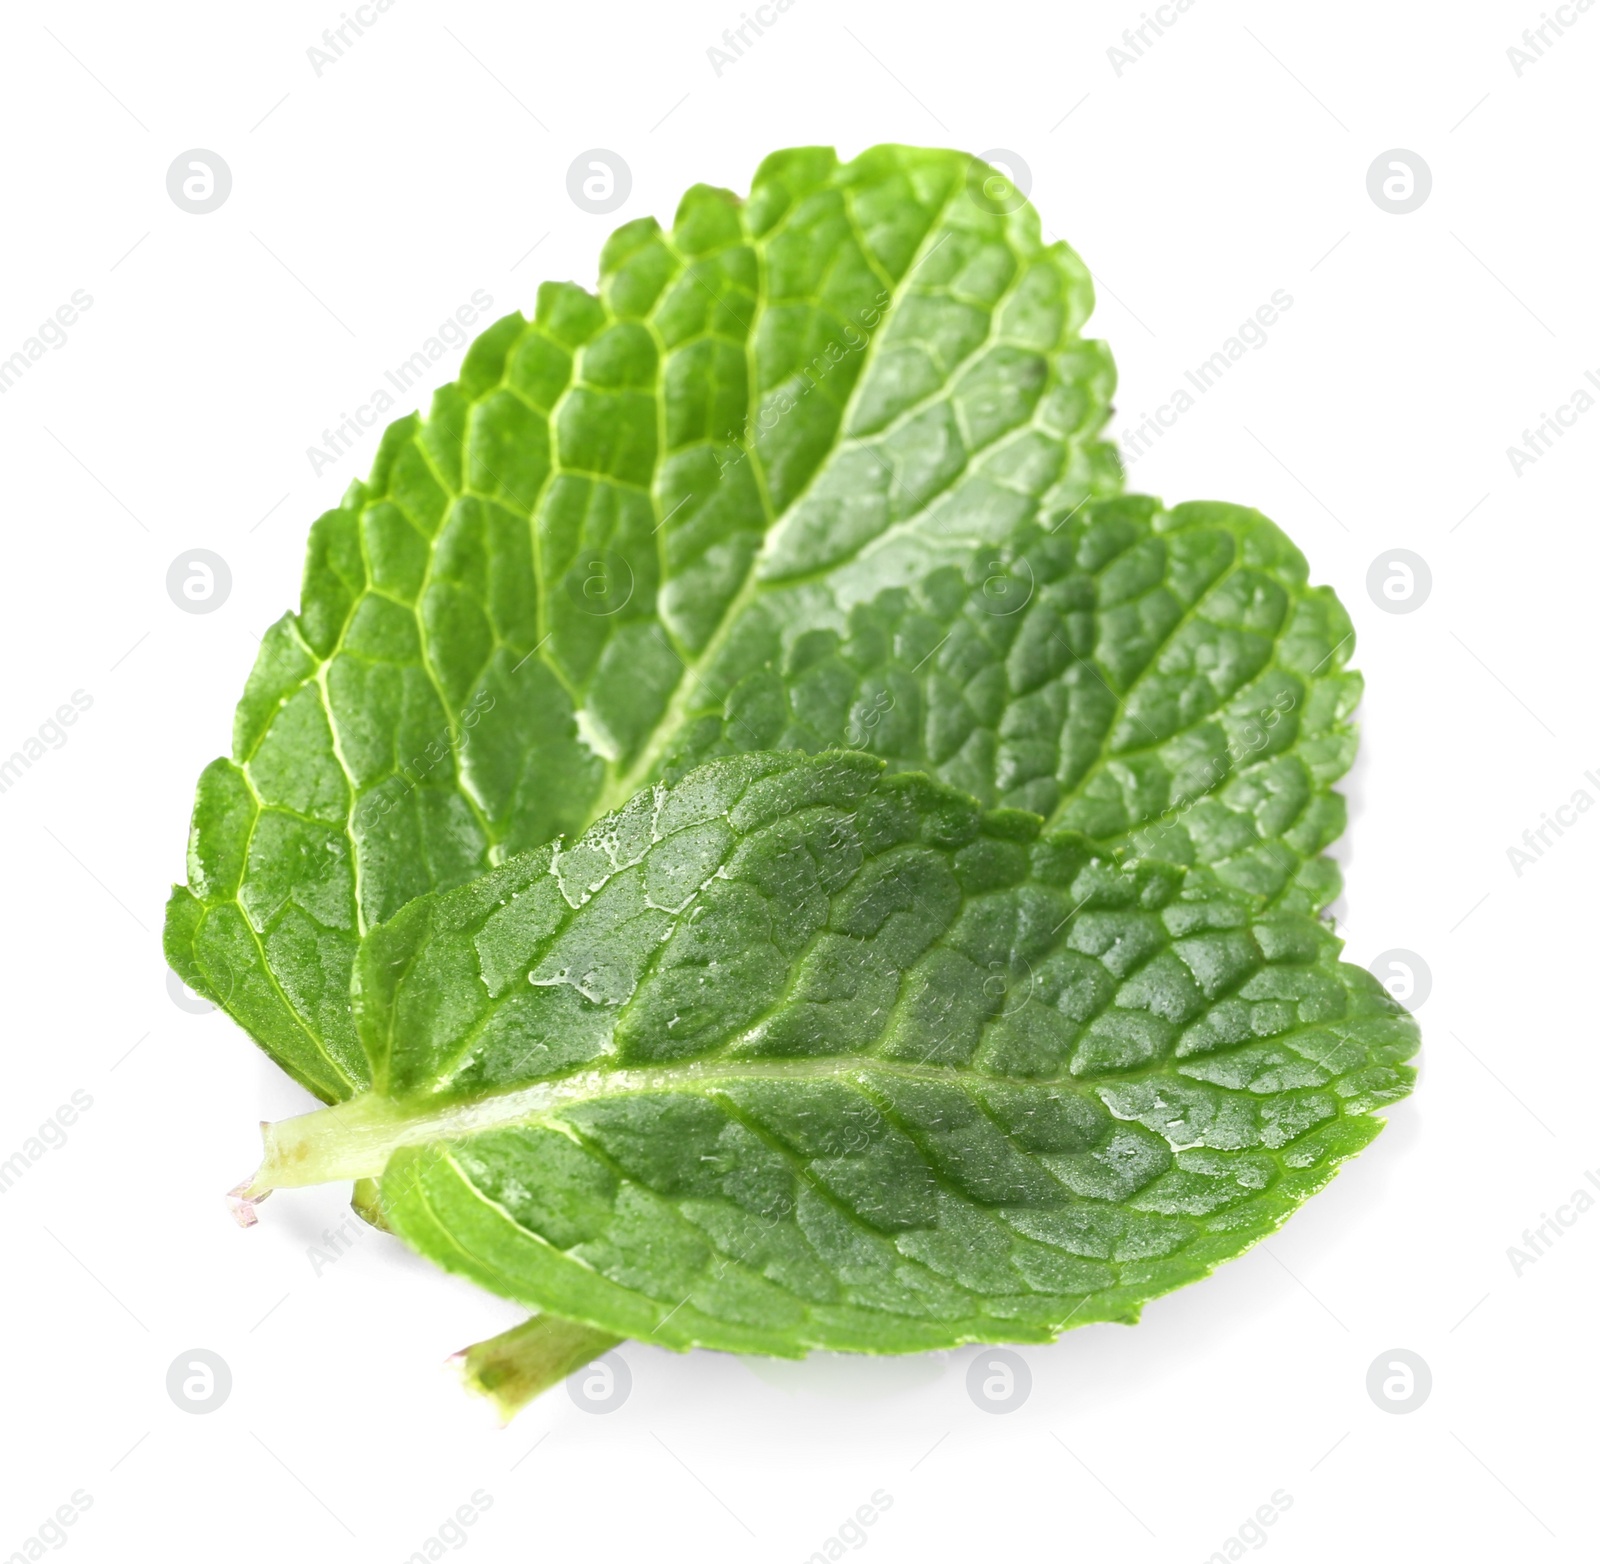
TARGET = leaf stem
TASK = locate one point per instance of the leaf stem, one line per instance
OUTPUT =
(523, 1362)
(351, 1140)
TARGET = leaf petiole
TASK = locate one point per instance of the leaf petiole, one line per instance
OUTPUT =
(525, 1361)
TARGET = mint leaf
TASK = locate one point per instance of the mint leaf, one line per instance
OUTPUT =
(796, 1053)
(1160, 680)
(853, 376)
(863, 1058)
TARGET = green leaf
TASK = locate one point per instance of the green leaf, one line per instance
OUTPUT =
(856, 375)
(799, 1053)
(1163, 681)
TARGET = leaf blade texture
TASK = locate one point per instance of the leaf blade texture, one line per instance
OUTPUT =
(1164, 681)
(851, 375)
(799, 1053)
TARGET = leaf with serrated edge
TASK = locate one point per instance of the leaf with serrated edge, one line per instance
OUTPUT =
(797, 1053)
(1160, 680)
(860, 372)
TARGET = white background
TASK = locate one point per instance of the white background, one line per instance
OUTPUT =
(369, 202)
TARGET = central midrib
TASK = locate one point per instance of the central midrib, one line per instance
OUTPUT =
(622, 785)
(355, 1139)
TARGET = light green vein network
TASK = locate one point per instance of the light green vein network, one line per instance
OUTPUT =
(501, 630)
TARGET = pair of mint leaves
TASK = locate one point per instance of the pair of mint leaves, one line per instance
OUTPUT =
(761, 844)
